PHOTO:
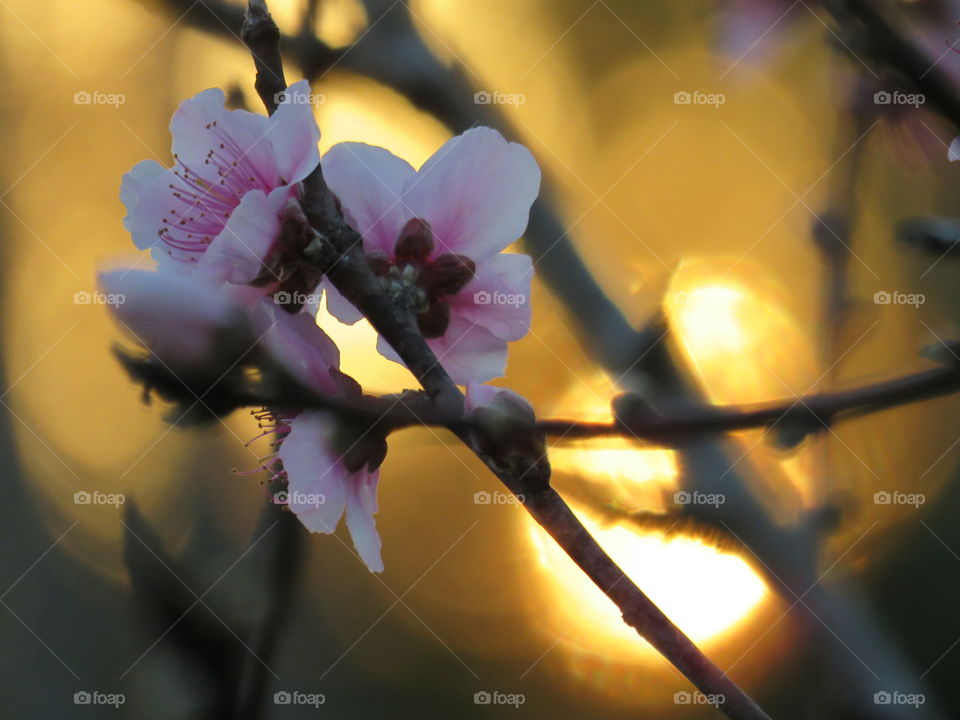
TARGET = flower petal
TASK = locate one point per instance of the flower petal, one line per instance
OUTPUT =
(203, 124)
(361, 505)
(176, 317)
(300, 345)
(294, 134)
(369, 182)
(482, 395)
(338, 306)
(314, 469)
(146, 193)
(476, 192)
(470, 352)
(236, 255)
(466, 351)
(498, 296)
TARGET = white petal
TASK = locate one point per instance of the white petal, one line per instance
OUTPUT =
(313, 470)
(202, 123)
(146, 193)
(361, 505)
(338, 306)
(294, 134)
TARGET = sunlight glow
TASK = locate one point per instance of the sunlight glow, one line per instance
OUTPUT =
(359, 357)
(679, 574)
(603, 480)
(746, 346)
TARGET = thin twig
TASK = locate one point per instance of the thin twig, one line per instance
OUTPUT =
(634, 419)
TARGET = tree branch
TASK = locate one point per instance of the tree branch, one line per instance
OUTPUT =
(526, 475)
(634, 418)
(262, 36)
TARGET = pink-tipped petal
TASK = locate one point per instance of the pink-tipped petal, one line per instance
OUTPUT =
(466, 351)
(239, 140)
(476, 192)
(498, 297)
(314, 471)
(369, 182)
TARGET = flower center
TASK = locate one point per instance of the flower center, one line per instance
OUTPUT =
(421, 283)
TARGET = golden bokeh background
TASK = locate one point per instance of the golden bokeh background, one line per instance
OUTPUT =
(694, 209)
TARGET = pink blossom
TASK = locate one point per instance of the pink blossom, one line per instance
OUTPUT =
(480, 395)
(316, 468)
(327, 472)
(180, 320)
(234, 171)
(435, 238)
(183, 320)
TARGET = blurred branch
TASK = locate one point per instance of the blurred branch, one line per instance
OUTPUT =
(937, 235)
(806, 414)
(283, 556)
(867, 29)
(162, 589)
